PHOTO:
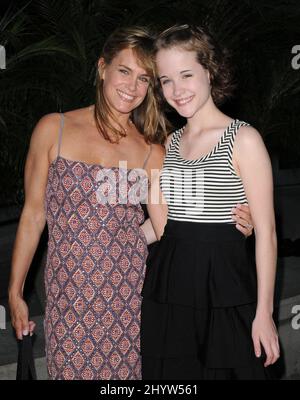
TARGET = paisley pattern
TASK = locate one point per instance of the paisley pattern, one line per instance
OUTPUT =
(95, 271)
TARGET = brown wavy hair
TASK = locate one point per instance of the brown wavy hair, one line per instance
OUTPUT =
(209, 55)
(147, 117)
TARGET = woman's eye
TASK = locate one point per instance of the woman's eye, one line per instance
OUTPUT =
(164, 82)
(144, 79)
(123, 71)
(187, 76)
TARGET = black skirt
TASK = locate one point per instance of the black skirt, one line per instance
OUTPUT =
(199, 302)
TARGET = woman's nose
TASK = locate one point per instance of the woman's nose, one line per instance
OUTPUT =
(132, 84)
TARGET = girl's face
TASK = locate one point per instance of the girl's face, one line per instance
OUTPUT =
(185, 83)
(125, 82)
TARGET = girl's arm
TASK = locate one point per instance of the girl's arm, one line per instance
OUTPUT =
(156, 206)
(254, 167)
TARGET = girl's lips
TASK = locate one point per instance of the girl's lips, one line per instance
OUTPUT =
(182, 102)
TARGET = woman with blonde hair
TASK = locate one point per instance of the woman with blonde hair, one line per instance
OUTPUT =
(96, 250)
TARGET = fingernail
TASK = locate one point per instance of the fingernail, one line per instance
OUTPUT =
(234, 217)
(25, 332)
(233, 209)
(239, 205)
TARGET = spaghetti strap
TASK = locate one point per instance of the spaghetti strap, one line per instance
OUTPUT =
(62, 120)
(147, 158)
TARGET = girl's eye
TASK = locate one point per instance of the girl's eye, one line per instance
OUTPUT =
(164, 82)
(187, 76)
(124, 71)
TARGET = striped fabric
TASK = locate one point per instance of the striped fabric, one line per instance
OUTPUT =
(205, 189)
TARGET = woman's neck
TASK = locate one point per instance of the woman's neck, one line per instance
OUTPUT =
(123, 119)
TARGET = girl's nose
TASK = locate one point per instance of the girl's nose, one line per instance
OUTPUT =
(177, 90)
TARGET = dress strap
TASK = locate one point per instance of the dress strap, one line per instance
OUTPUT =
(147, 158)
(62, 120)
(232, 131)
(174, 136)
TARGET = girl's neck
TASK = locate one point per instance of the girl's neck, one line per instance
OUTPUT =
(206, 117)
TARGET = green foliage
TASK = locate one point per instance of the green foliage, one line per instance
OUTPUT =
(52, 47)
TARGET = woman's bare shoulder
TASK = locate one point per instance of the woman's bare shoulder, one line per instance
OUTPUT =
(78, 114)
(46, 130)
(158, 150)
(157, 156)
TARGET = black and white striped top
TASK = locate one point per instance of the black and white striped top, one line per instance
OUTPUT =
(206, 189)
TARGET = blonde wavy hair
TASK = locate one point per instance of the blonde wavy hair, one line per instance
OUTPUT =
(147, 117)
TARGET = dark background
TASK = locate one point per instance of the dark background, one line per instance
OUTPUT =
(52, 47)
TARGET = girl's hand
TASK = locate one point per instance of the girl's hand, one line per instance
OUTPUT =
(242, 216)
(264, 333)
(19, 317)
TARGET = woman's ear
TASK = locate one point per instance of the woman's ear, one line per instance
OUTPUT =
(101, 68)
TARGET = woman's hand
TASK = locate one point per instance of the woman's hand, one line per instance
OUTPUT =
(242, 216)
(19, 317)
(264, 333)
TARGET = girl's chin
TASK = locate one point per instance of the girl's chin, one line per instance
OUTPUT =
(185, 113)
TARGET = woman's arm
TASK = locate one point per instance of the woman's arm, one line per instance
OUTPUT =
(255, 170)
(242, 216)
(32, 220)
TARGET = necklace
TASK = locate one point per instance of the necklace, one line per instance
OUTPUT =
(129, 123)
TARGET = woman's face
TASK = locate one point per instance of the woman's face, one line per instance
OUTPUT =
(185, 83)
(125, 82)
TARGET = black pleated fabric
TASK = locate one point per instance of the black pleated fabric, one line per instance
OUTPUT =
(199, 301)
